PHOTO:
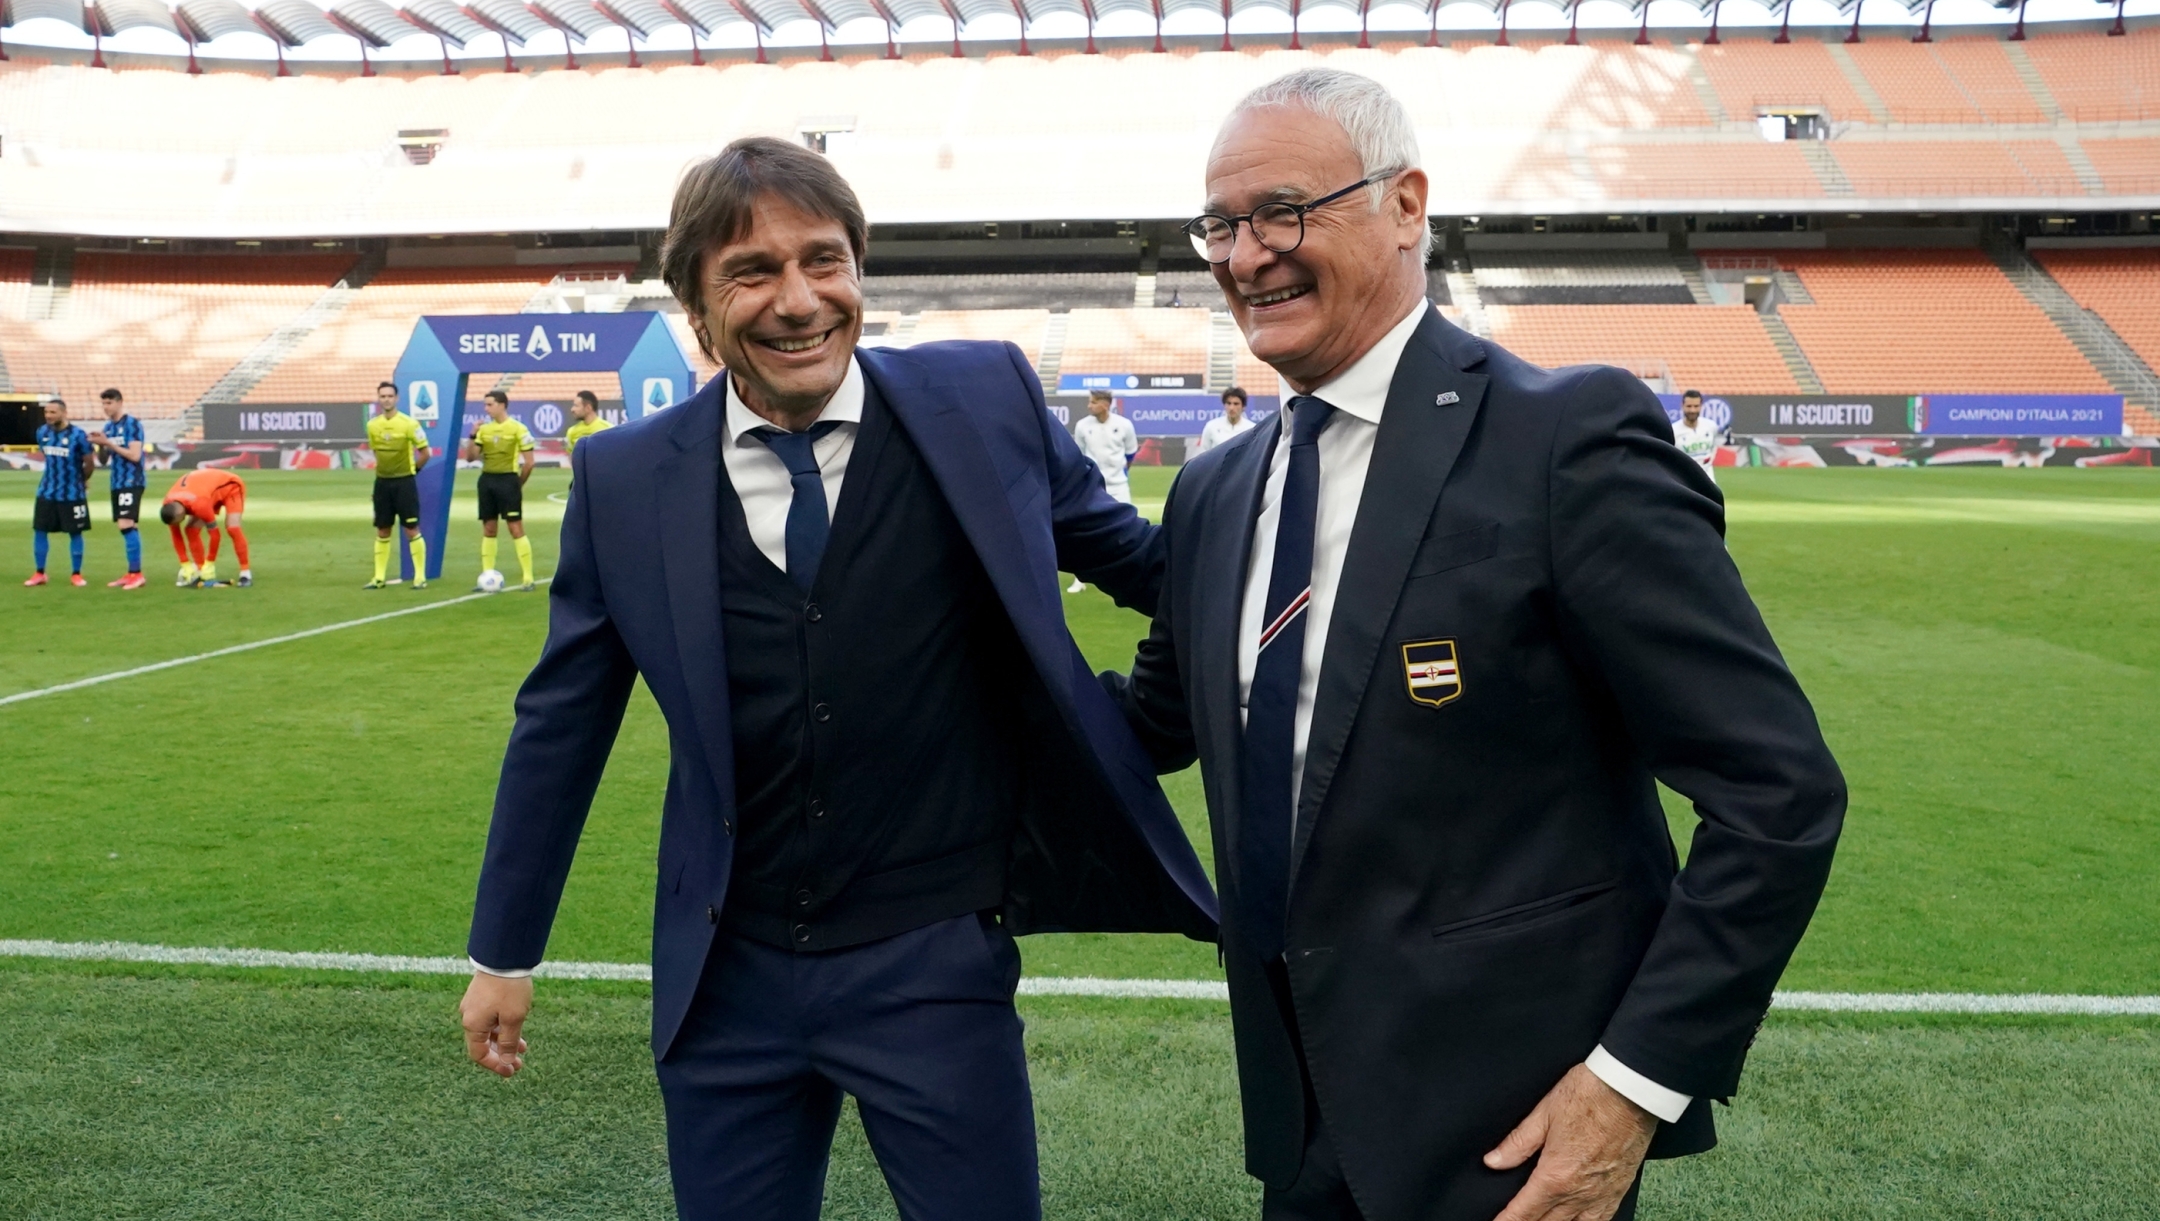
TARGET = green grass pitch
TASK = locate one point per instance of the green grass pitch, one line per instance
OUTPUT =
(1980, 644)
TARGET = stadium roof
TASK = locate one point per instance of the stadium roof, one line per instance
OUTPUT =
(297, 23)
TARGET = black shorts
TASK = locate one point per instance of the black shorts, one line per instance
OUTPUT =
(127, 504)
(502, 495)
(397, 502)
(60, 516)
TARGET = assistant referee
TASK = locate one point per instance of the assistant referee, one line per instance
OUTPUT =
(503, 447)
(401, 450)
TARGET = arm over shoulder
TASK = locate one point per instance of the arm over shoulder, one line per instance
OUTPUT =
(1152, 697)
(1100, 540)
(1650, 599)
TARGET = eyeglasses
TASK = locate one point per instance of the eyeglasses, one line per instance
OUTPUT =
(1278, 226)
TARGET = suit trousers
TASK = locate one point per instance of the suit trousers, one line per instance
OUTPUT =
(919, 1028)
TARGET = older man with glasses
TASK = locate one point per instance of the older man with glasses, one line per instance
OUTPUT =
(1434, 632)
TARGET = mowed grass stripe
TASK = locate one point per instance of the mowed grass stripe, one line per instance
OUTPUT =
(250, 646)
(1116, 989)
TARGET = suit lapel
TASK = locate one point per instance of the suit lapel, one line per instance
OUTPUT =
(952, 447)
(687, 483)
(1419, 441)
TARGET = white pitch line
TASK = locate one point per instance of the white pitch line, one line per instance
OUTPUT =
(1128, 989)
(229, 650)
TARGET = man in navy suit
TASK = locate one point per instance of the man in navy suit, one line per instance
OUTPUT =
(1434, 632)
(836, 570)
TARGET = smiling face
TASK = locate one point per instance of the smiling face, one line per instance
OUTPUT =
(781, 307)
(1313, 311)
(1690, 409)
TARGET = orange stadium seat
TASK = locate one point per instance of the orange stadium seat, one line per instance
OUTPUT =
(342, 360)
(1983, 73)
(1893, 168)
(1248, 370)
(1755, 169)
(2129, 166)
(1927, 322)
(1136, 341)
(16, 266)
(2122, 286)
(1721, 349)
(1951, 80)
(162, 328)
(2096, 78)
(1025, 327)
(1748, 74)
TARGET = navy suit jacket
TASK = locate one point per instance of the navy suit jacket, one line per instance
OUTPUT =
(1483, 885)
(637, 592)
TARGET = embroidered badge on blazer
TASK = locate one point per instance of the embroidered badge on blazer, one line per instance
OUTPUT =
(1431, 672)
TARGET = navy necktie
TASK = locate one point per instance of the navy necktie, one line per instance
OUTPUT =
(1264, 831)
(807, 523)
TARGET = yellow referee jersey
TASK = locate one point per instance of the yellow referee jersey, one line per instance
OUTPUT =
(583, 429)
(500, 445)
(394, 437)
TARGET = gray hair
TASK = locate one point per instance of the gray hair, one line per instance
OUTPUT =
(1379, 128)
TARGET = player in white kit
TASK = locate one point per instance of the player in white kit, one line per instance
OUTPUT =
(1230, 423)
(1697, 437)
(1109, 442)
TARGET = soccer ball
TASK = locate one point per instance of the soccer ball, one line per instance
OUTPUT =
(491, 582)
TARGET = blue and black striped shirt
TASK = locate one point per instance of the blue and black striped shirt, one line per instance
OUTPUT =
(65, 448)
(125, 431)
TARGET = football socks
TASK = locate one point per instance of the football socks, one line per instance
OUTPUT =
(382, 559)
(487, 553)
(524, 554)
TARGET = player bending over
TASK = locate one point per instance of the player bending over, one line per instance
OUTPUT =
(63, 493)
(504, 448)
(194, 503)
(401, 450)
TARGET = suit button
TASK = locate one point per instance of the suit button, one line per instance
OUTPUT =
(822, 712)
(817, 807)
(802, 933)
(812, 613)
(802, 898)
(712, 915)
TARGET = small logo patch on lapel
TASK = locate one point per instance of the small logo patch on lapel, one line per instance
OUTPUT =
(1445, 397)
(1431, 672)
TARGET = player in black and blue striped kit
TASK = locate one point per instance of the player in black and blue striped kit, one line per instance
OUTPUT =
(123, 444)
(63, 495)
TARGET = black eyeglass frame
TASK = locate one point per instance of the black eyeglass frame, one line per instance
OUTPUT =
(1297, 210)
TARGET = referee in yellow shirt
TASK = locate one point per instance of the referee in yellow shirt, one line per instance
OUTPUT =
(504, 449)
(401, 450)
(587, 420)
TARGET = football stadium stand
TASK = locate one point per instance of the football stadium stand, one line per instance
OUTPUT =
(342, 359)
(1024, 327)
(2123, 288)
(1720, 348)
(1937, 321)
(1136, 341)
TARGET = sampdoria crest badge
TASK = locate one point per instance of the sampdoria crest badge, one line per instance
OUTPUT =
(1431, 672)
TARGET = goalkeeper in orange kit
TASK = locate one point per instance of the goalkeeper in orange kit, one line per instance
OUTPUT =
(194, 503)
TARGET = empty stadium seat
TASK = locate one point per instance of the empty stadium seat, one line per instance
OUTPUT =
(913, 294)
(1720, 349)
(1950, 80)
(1749, 74)
(1886, 169)
(2097, 79)
(162, 328)
(1580, 278)
(2129, 167)
(342, 360)
(2122, 286)
(1024, 327)
(1927, 322)
(1136, 341)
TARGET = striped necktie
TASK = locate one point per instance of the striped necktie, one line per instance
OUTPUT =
(1269, 815)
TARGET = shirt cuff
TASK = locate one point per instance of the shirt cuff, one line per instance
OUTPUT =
(1666, 1104)
(526, 973)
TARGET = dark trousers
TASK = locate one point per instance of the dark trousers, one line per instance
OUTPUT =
(919, 1028)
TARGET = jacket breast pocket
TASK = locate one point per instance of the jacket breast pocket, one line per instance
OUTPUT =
(1524, 916)
(1450, 551)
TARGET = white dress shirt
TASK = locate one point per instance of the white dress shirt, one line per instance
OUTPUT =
(761, 478)
(1359, 396)
(762, 484)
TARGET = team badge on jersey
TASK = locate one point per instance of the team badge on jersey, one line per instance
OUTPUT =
(1431, 672)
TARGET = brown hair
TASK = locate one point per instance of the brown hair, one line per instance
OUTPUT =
(713, 202)
(497, 396)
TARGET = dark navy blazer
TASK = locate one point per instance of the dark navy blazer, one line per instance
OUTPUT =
(637, 593)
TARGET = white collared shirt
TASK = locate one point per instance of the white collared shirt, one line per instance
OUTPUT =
(1359, 396)
(761, 479)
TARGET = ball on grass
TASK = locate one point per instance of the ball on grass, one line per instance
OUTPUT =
(491, 582)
